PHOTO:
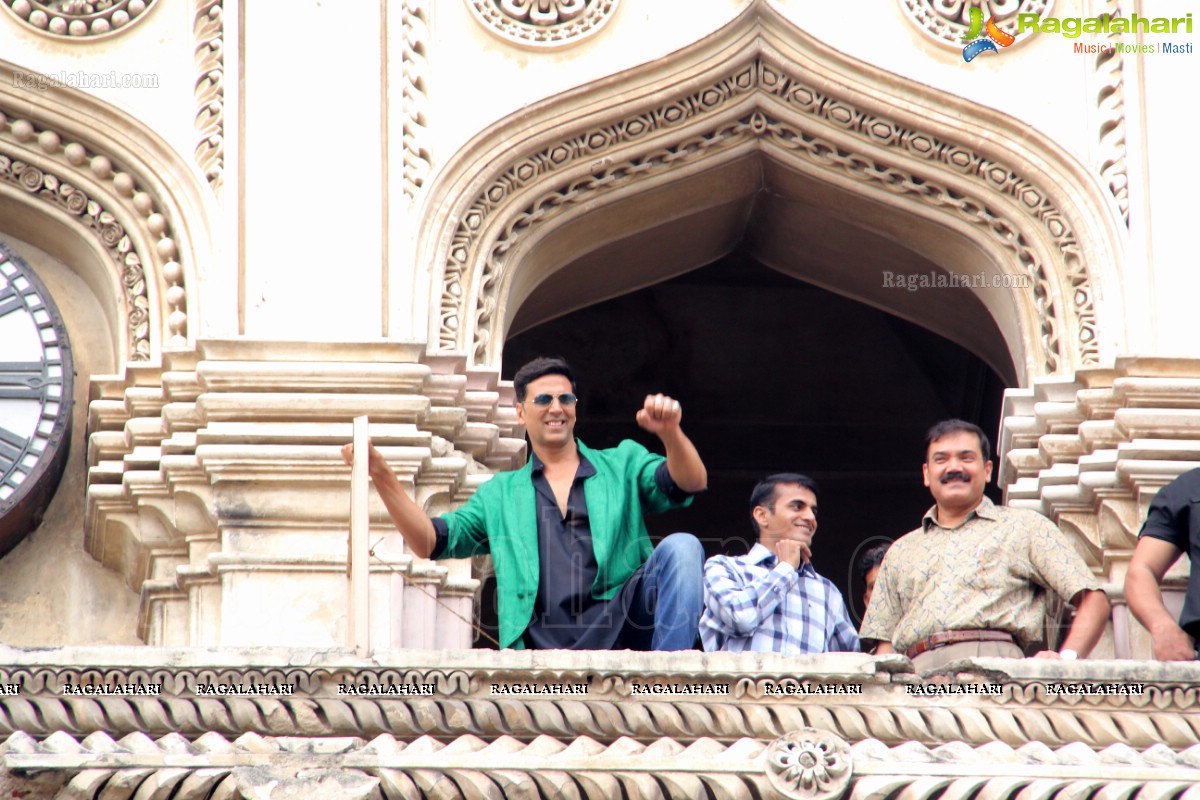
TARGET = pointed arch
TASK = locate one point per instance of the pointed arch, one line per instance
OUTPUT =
(760, 88)
(105, 194)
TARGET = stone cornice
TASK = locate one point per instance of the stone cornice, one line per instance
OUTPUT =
(451, 735)
(254, 766)
(176, 450)
(490, 694)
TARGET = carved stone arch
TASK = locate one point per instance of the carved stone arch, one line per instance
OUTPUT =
(527, 195)
(102, 192)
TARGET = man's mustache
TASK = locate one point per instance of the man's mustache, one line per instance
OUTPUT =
(956, 476)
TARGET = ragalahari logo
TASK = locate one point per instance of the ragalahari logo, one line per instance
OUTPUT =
(982, 38)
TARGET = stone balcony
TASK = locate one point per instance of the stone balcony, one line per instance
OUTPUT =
(274, 723)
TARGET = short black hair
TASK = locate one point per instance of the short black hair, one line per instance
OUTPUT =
(949, 426)
(871, 559)
(764, 493)
(540, 366)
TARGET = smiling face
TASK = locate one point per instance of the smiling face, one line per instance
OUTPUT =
(955, 471)
(792, 516)
(549, 426)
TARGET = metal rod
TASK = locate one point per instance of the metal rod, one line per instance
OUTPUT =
(359, 618)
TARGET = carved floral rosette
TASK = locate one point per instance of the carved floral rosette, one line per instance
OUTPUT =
(947, 21)
(79, 19)
(543, 23)
(809, 763)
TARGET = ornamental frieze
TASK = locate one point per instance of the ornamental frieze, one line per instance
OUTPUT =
(542, 23)
(79, 19)
(61, 183)
(806, 764)
(948, 22)
(781, 110)
(721, 696)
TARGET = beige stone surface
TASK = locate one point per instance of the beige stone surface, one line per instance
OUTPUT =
(51, 590)
(325, 211)
(190, 721)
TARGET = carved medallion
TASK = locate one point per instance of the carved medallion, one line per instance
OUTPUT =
(77, 19)
(809, 764)
(948, 22)
(543, 23)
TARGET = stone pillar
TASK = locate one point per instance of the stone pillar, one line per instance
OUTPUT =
(1091, 451)
(217, 488)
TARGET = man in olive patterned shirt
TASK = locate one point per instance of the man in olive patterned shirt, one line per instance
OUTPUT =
(973, 579)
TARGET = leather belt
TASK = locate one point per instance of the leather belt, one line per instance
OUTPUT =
(943, 638)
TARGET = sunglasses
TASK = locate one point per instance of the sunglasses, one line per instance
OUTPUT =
(566, 399)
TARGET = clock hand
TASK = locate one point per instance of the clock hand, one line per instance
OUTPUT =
(12, 447)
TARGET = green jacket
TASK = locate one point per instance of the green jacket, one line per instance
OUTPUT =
(501, 519)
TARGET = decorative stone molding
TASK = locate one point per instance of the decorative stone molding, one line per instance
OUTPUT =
(99, 221)
(65, 719)
(240, 442)
(1091, 452)
(101, 225)
(89, 169)
(209, 31)
(543, 23)
(1109, 89)
(809, 764)
(79, 19)
(257, 767)
(764, 90)
(253, 766)
(489, 694)
(414, 31)
(947, 21)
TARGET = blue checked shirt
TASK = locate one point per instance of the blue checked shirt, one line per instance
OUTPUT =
(757, 602)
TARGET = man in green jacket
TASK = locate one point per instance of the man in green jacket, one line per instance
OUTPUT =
(575, 568)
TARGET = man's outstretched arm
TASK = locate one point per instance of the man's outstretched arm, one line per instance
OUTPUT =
(661, 415)
(413, 523)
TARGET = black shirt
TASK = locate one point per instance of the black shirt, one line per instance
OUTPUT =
(1174, 517)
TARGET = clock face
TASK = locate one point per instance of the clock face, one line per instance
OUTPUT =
(35, 398)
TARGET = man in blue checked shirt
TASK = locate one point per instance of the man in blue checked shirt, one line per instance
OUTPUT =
(771, 600)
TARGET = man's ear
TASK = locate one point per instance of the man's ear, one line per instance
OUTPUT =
(925, 473)
(987, 472)
(761, 514)
(520, 411)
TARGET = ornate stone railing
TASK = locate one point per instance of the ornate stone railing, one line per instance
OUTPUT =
(148, 722)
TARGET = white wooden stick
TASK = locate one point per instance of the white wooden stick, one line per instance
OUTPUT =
(359, 618)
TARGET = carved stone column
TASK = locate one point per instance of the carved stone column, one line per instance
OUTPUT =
(1090, 452)
(217, 488)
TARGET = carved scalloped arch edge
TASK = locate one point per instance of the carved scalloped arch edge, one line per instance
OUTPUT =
(158, 198)
(1071, 201)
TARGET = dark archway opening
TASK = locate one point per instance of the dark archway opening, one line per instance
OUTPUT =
(775, 375)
